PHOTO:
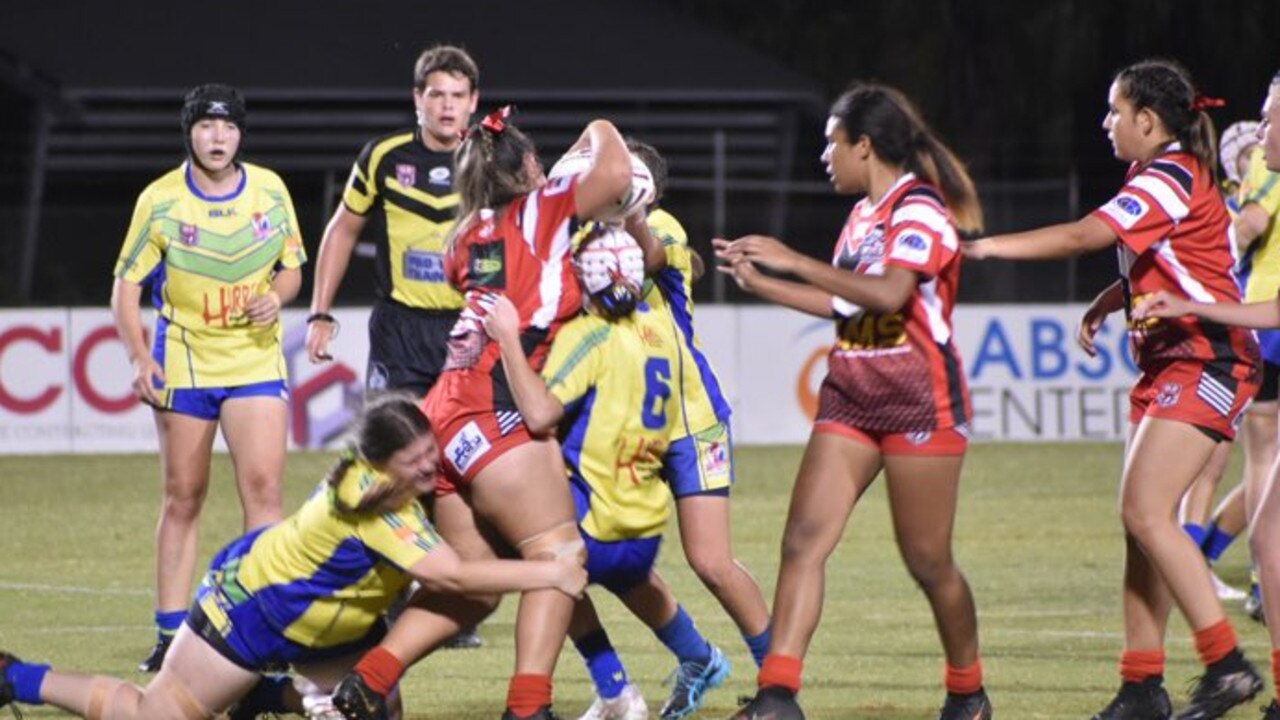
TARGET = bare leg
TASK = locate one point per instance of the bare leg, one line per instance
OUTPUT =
(186, 444)
(923, 493)
(255, 429)
(706, 537)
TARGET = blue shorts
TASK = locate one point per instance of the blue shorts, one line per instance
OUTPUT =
(701, 463)
(1269, 345)
(620, 565)
(206, 403)
(230, 619)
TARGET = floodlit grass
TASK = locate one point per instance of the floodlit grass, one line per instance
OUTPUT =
(1037, 537)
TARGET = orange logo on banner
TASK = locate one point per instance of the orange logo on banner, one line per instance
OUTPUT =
(806, 389)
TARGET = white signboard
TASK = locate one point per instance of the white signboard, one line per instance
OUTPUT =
(65, 380)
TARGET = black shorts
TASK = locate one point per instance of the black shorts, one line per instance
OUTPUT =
(406, 347)
(1270, 389)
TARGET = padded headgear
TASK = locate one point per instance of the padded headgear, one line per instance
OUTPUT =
(211, 101)
(611, 265)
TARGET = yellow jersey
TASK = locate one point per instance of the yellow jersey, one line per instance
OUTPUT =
(204, 258)
(406, 191)
(324, 577)
(616, 380)
(1261, 186)
(702, 402)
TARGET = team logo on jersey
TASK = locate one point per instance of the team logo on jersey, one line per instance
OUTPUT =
(261, 227)
(190, 234)
(406, 174)
(1126, 210)
(1169, 394)
(466, 447)
(871, 250)
(440, 176)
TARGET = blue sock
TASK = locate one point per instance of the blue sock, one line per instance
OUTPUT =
(167, 623)
(26, 679)
(759, 644)
(603, 663)
(682, 638)
(1196, 532)
(1216, 542)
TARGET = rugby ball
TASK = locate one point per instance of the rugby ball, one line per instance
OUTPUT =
(638, 196)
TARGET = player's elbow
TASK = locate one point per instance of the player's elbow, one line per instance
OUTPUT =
(542, 424)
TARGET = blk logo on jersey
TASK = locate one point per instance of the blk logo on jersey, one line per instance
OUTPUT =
(466, 447)
(406, 174)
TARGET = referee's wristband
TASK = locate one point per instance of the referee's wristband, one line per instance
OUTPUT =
(321, 316)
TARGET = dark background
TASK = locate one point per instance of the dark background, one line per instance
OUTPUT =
(1018, 90)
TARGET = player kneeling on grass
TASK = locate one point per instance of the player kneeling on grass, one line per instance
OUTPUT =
(606, 386)
(309, 591)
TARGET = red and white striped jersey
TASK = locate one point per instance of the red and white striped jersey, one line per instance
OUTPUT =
(1175, 235)
(900, 371)
(526, 255)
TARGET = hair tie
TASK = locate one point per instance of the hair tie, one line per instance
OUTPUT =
(1204, 102)
(496, 121)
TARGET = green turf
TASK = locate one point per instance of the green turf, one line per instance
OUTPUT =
(1037, 537)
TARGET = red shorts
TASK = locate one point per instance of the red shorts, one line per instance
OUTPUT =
(1193, 393)
(947, 441)
(470, 440)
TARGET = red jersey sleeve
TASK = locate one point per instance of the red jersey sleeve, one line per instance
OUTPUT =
(1151, 204)
(921, 237)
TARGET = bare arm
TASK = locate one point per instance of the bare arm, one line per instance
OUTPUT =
(1108, 301)
(604, 185)
(1055, 242)
(336, 247)
(444, 572)
(655, 256)
(1261, 315)
(126, 297)
(797, 296)
(1249, 224)
(539, 408)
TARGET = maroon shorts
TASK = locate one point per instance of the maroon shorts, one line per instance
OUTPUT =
(1193, 393)
(947, 441)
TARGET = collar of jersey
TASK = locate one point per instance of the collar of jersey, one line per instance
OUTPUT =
(191, 185)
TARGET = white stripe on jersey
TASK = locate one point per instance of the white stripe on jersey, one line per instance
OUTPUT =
(1214, 393)
(529, 221)
(927, 213)
(933, 311)
(1189, 285)
(1164, 195)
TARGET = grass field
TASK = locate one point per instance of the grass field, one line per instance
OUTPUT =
(1037, 537)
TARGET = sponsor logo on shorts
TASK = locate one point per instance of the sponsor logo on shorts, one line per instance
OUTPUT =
(1169, 395)
(466, 447)
(406, 174)
(919, 437)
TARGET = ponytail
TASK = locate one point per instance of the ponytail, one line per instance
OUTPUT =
(489, 169)
(900, 136)
(1166, 88)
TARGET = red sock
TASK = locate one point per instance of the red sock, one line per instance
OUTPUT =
(1275, 668)
(1216, 641)
(781, 671)
(964, 680)
(380, 669)
(527, 693)
(1138, 665)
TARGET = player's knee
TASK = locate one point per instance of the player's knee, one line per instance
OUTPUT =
(112, 699)
(714, 569)
(170, 696)
(929, 567)
(1139, 522)
(183, 508)
(562, 542)
(801, 543)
